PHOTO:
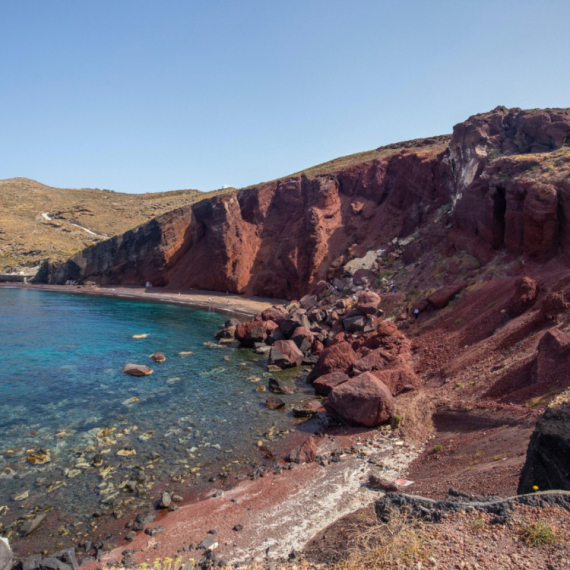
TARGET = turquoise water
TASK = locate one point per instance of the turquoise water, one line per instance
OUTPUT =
(61, 386)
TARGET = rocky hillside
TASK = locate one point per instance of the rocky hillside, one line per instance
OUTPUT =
(499, 184)
(39, 222)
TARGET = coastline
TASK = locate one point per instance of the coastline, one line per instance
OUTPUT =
(213, 300)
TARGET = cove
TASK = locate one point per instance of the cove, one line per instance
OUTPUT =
(111, 438)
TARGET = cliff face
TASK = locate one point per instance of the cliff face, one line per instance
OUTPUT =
(277, 239)
(500, 173)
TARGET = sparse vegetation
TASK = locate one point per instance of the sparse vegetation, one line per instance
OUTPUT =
(537, 534)
(437, 448)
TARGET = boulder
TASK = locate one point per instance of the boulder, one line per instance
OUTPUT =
(317, 347)
(249, 333)
(308, 410)
(398, 380)
(374, 360)
(305, 453)
(308, 301)
(303, 339)
(526, 293)
(338, 357)
(354, 324)
(325, 384)
(231, 323)
(364, 401)
(274, 403)
(278, 387)
(443, 296)
(226, 332)
(6, 554)
(547, 463)
(368, 303)
(275, 313)
(285, 354)
(137, 370)
(553, 306)
(158, 357)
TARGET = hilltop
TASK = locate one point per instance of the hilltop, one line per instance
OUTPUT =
(37, 220)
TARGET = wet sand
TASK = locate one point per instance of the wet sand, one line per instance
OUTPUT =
(220, 302)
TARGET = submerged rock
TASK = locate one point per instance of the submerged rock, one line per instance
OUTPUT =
(137, 370)
(39, 457)
(158, 357)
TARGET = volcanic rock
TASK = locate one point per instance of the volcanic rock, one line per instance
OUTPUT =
(368, 303)
(303, 339)
(137, 370)
(307, 410)
(364, 400)
(443, 296)
(305, 453)
(274, 403)
(249, 333)
(526, 293)
(324, 384)
(158, 357)
(553, 306)
(547, 463)
(276, 313)
(374, 360)
(399, 379)
(285, 354)
(278, 387)
(335, 358)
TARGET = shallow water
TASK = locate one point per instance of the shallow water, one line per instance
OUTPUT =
(62, 390)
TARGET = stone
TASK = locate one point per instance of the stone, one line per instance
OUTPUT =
(325, 384)
(364, 401)
(6, 554)
(443, 296)
(227, 333)
(526, 293)
(547, 464)
(142, 520)
(53, 563)
(39, 457)
(276, 313)
(165, 500)
(68, 556)
(158, 357)
(307, 410)
(305, 453)
(153, 531)
(285, 354)
(31, 562)
(278, 387)
(137, 370)
(208, 543)
(29, 526)
(238, 527)
(354, 324)
(303, 339)
(249, 333)
(338, 357)
(308, 301)
(399, 379)
(368, 303)
(274, 403)
(231, 323)
(375, 360)
(376, 482)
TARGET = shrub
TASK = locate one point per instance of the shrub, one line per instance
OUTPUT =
(537, 534)
(437, 448)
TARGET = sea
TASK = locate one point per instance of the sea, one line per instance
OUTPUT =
(81, 440)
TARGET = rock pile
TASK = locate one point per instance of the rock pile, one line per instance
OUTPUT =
(360, 361)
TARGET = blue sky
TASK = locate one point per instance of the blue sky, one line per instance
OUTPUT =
(137, 96)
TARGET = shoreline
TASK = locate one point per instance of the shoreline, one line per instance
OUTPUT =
(212, 300)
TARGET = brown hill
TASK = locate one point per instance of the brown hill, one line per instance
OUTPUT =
(27, 236)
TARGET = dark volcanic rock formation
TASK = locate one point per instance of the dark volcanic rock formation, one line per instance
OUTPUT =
(548, 458)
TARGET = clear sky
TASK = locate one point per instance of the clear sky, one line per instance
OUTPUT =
(138, 95)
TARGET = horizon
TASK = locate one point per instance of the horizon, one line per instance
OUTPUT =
(137, 98)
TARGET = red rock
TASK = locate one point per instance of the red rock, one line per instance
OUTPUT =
(325, 384)
(526, 292)
(137, 370)
(303, 339)
(338, 357)
(271, 326)
(274, 403)
(553, 306)
(364, 400)
(317, 347)
(305, 453)
(285, 354)
(308, 410)
(368, 303)
(374, 360)
(443, 296)
(275, 313)
(249, 333)
(399, 379)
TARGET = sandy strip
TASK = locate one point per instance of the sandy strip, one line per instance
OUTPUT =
(221, 302)
(281, 512)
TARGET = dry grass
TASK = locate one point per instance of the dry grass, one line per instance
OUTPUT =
(538, 534)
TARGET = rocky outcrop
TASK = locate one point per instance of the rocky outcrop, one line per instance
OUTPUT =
(547, 463)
